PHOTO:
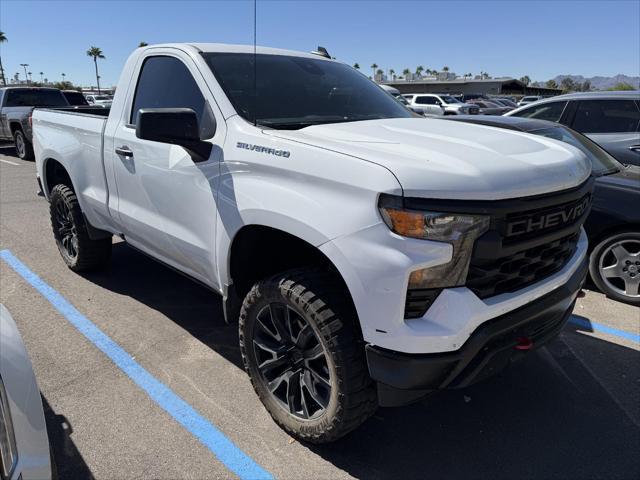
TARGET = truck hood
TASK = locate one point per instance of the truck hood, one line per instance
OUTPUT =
(434, 158)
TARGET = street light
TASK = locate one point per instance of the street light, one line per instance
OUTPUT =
(25, 65)
(63, 75)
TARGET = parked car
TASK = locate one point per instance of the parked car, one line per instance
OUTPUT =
(99, 100)
(424, 105)
(613, 226)
(611, 119)
(431, 102)
(395, 93)
(74, 97)
(16, 107)
(24, 443)
(488, 107)
(505, 102)
(371, 257)
(529, 99)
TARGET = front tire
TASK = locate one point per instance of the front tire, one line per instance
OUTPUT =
(78, 251)
(303, 351)
(23, 146)
(614, 266)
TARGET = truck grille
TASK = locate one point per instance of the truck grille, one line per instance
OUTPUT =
(513, 272)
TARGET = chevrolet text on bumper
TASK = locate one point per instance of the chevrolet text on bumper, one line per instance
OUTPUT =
(369, 256)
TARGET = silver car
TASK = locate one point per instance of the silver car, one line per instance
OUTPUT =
(611, 119)
(24, 444)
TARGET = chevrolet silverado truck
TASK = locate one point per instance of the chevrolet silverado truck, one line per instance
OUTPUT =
(370, 257)
(16, 107)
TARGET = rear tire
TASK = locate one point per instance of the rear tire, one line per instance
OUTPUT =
(23, 146)
(614, 266)
(323, 391)
(78, 251)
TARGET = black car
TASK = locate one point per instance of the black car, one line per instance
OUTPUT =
(613, 226)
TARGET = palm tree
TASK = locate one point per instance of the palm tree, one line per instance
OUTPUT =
(96, 53)
(356, 66)
(3, 38)
(445, 69)
(526, 80)
(406, 72)
(419, 70)
(142, 44)
(379, 73)
(392, 73)
(41, 74)
(373, 67)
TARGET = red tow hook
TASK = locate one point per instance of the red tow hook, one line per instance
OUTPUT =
(523, 343)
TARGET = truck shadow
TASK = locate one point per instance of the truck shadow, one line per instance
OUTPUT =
(570, 410)
(191, 306)
(550, 416)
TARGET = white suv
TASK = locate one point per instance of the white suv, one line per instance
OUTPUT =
(431, 103)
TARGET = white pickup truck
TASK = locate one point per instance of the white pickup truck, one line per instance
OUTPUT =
(371, 257)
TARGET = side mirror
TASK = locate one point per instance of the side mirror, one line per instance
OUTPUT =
(177, 126)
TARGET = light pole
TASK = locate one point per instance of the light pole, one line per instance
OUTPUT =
(30, 79)
(41, 80)
(25, 65)
(63, 75)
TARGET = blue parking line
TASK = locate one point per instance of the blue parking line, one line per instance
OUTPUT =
(598, 327)
(224, 449)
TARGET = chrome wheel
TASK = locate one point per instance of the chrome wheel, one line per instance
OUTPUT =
(21, 148)
(66, 230)
(619, 267)
(292, 361)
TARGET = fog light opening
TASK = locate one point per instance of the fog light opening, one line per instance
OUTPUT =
(524, 343)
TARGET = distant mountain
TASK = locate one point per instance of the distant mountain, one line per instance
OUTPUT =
(602, 83)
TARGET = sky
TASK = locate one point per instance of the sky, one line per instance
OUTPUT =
(540, 39)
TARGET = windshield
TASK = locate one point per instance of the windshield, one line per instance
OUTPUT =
(601, 162)
(296, 92)
(449, 99)
(30, 97)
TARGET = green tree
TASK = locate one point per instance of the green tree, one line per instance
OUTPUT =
(356, 66)
(392, 73)
(142, 44)
(568, 85)
(96, 53)
(622, 86)
(551, 84)
(586, 86)
(419, 70)
(373, 67)
(406, 72)
(445, 69)
(526, 80)
(3, 39)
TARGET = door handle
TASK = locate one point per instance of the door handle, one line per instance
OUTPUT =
(124, 151)
(635, 148)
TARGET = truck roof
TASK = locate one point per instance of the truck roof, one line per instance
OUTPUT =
(237, 48)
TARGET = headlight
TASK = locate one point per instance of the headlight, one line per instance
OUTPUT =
(8, 454)
(460, 230)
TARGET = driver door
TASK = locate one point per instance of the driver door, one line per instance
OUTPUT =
(166, 202)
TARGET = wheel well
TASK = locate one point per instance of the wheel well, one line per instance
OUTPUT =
(258, 252)
(56, 174)
(613, 230)
(15, 126)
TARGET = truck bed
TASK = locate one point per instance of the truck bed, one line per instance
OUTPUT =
(71, 135)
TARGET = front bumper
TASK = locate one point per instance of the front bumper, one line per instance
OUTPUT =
(403, 378)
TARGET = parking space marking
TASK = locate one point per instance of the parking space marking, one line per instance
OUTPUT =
(598, 327)
(223, 448)
(9, 162)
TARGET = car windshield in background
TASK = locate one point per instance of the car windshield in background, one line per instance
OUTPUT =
(449, 99)
(29, 97)
(296, 92)
(601, 162)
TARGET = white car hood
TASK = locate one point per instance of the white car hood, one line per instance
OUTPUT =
(434, 158)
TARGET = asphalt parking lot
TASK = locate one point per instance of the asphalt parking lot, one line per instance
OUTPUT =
(570, 410)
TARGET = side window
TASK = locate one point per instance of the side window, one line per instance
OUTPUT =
(426, 100)
(551, 111)
(165, 82)
(606, 116)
